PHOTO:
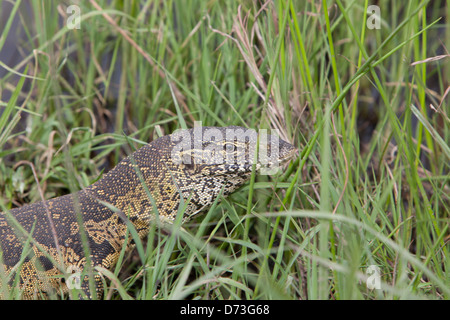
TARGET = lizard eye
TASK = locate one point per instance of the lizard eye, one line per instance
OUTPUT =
(229, 147)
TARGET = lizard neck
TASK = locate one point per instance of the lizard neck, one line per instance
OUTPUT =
(133, 189)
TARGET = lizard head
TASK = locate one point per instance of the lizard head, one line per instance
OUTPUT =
(206, 161)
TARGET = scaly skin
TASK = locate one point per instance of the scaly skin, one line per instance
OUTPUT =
(41, 243)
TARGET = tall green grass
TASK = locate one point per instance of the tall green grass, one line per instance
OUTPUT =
(367, 109)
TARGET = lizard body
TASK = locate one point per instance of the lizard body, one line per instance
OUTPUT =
(42, 241)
